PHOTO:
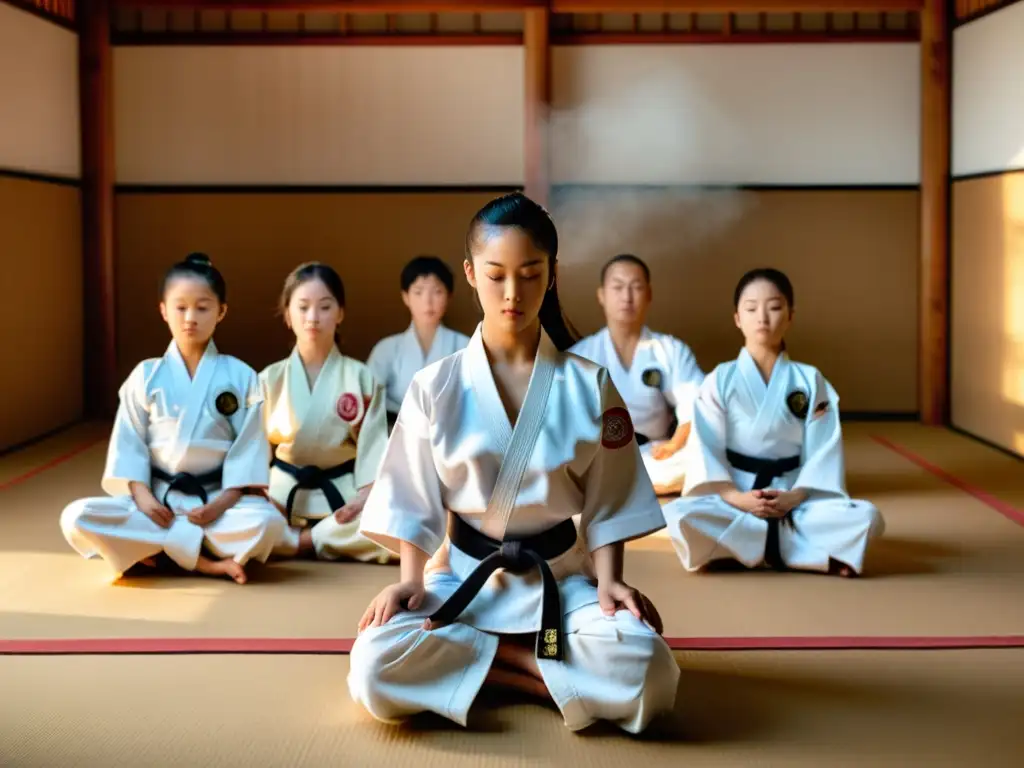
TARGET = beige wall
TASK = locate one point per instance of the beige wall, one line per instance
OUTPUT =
(40, 240)
(319, 114)
(41, 332)
(849, 253)
(38, 95)
(987, 281)
(987, 339)
(736, 114)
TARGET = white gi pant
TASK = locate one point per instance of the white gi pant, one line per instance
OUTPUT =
(614, 668)
(335, 541)
(666, 475)
(115, 529)
(706, 528)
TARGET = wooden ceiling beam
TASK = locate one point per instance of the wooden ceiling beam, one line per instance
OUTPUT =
(734, 6)
(343, 6)
(553, 6)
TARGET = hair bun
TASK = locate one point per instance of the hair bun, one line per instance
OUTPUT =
(200, 259)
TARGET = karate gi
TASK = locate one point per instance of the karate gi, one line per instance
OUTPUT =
(394, 360)
(571, 452)
(183, 438)
(659, 388)
(792, 420)
(328, 442)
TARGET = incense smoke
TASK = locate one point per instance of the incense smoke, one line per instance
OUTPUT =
(625, 205)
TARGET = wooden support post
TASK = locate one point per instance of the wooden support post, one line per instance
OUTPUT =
(933, 369)
(96, 111)
(537, 52)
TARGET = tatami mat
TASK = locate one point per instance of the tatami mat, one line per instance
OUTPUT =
(954, 709)
(949, 566)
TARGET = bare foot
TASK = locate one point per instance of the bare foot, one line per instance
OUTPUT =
(519, 657)
(518, 681)
(841, 569)
(305, 541)
(225, 567)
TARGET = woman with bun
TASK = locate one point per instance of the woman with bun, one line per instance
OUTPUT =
(188, 460)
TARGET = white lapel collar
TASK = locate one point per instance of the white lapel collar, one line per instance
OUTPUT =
(197, 389)
(772, 393)
(441, 343)
(411, 353)
(298, 393)
(521, 443)
(486, 391)
(750, 375)
(610, 354)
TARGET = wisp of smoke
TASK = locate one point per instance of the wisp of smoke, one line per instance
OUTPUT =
(643, 153)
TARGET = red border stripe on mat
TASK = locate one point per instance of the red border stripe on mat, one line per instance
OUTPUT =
(50, 464)
(194, 645)
(165, 645)
(1004, 508)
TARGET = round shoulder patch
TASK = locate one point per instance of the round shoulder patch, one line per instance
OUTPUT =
(226, 403)
(797, 403)
(651, 377)
(616, 428)
(348, 407)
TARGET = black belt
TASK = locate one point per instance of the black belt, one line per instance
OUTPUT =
(187, 483)
(313, 478)
(764, 471)
(516, 555)
(672, 427)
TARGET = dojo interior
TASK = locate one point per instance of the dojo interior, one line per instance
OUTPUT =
(872, 149)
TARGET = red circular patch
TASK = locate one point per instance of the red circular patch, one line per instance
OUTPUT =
(348, 406)
(616, 428)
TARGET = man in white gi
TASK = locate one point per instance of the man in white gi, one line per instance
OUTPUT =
(656, 374)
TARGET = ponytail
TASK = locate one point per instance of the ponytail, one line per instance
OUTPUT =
(554, 322)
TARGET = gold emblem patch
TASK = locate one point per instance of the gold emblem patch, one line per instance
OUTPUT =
(797, 402)
(227, 403)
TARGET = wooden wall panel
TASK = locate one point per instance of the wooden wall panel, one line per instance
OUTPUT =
(987, 304)
(41, 333)
(850, 253)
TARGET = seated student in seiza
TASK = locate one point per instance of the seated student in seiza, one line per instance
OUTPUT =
(324, 417)
(657, 374)
(495, 451)
(765, 482)
(427, 286)
(188, 460)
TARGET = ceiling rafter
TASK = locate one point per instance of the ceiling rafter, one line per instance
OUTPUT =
(555, 6)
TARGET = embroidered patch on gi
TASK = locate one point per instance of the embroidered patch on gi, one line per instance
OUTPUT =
(226, 403)
(616, 428)
(651, 377)
(348, 407)
(798, 403)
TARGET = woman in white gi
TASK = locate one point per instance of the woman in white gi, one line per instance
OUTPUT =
(188, 460)
(324, 417)
(427, 285)
(498, 446)
(765, 480)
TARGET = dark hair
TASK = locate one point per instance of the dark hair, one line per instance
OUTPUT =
(312, 270)
(773, 276)
(425, 266)
(197, 265)
(519, 211)
(625, 258)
